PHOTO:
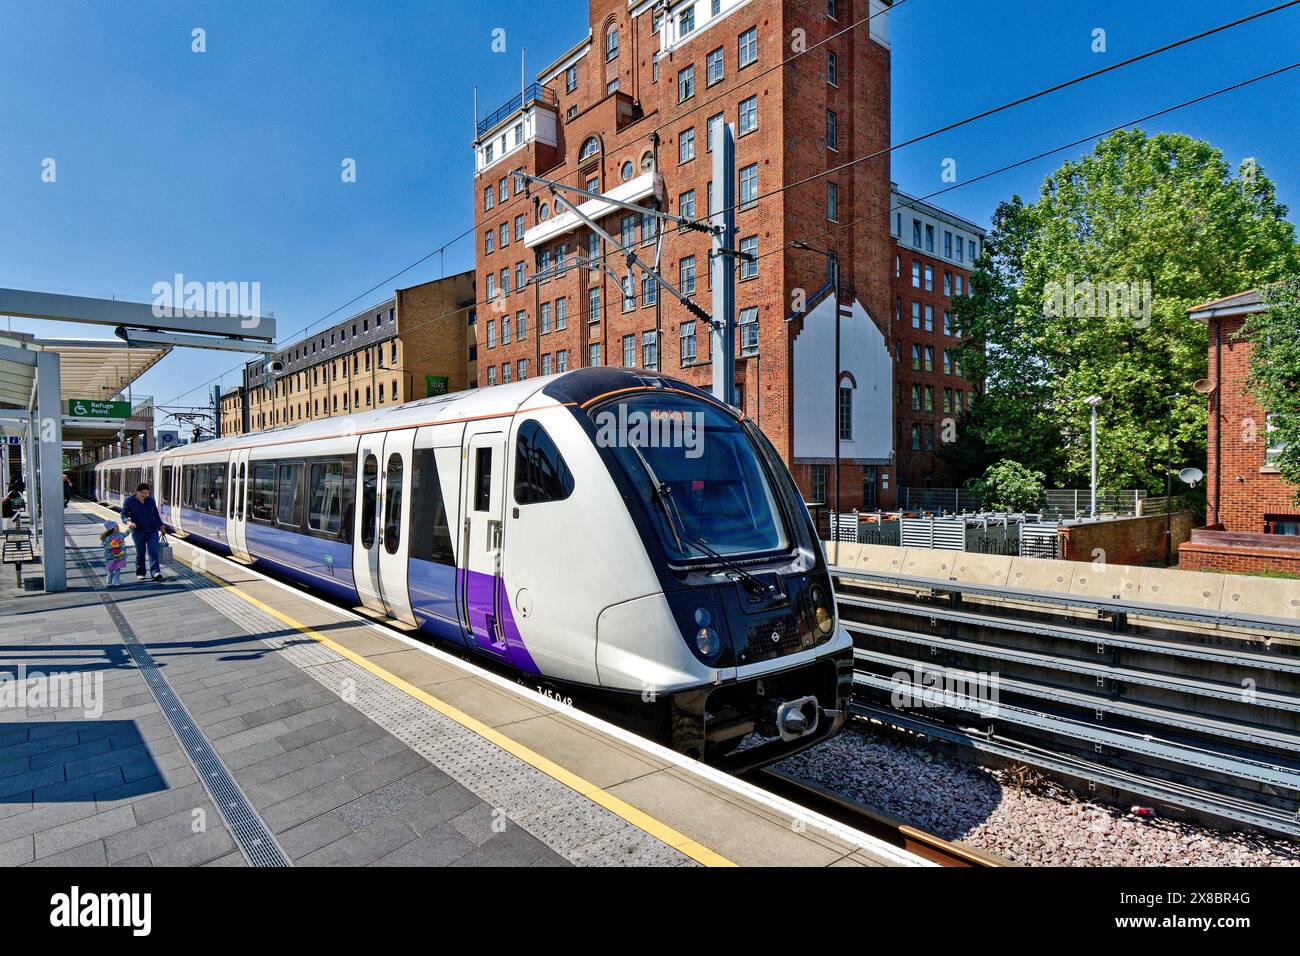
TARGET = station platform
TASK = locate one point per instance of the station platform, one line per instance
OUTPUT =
(221, 717)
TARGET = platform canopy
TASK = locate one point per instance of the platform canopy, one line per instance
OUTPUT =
(90, 368)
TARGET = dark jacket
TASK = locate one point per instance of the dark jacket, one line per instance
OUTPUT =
(143, 513)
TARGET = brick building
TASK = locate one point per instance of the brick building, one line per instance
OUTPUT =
(1253, 520)
(419, 342)
(626, 113)
(933, 255)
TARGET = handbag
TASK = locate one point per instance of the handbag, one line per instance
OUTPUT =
(164, 552)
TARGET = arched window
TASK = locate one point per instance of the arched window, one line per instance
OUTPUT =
(589, 148)
(846, 407)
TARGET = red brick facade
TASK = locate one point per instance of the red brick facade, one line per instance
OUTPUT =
(1249, 506)
(930, 391)
(638, 128)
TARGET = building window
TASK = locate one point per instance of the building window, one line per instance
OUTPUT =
(688, 343)
(832, 68)
(686, 146)
(749, 266)
(749, 186)
(748, 115)
(562, 360)
(629, 293)
(561, 313)
(818, 484)
(929, 318)
(916, 273)
(503, 190)
(832, 130)
(629, 351)
(747, 46)
(611, 45)
(686, 84)
(489, 197)
(686, 275)
(521, 326)
(929, 278)
(505, 330)
(504, 235)
(521, 369)
(589, 148)
(546, 364)
(593, 304)
(713, 69)
(833, 9)
(544, 319)
(519, 228)
(916, 358)
(959, 284)
(916, 233)
(491, 332)
(749, 330)
(650, 349)
(505, 373)
(686, 21)
(846, 413)
(612, 86)
(947, 283)
(929, 358)
(686, 204)
(929, 238)
(571, 78)
(929, 398)
(916, 398)
(490, 242)
(916, 315)
(519, 275)
(832, 202)
(593, 354)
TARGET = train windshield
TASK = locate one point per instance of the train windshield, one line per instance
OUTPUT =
(697, 472)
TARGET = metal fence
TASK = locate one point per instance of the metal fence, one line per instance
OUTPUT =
(1056, 503)
(985, 533)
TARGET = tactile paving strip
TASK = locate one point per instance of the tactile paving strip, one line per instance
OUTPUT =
(250, 832)
(579, 830)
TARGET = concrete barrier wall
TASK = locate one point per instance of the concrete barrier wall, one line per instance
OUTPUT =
(1199, 590)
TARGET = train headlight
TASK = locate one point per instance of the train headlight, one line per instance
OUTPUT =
(822, 613)
(706, 638)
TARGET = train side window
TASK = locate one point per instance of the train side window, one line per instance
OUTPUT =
(218, 489)
(262, 507)
(483, 479)
(540, 470)
(288, 497)
(326, 483)
(239, 494)
(234, 492)
(393, 504)
(166, 485)
(201, 478)
(430, 531)
(369, 500)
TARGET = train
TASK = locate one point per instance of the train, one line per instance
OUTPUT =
(615, 538)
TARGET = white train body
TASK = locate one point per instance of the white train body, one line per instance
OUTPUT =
(616, 537)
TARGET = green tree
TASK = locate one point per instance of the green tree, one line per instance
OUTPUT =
(1009, 486)
(1274, 375)
(1085, 292)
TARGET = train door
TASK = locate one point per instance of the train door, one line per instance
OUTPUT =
(177, 496)
(394, 538)
(366, 543)
(483, 482)
(237, 505)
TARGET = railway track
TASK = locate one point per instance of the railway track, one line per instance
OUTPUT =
(860, 817)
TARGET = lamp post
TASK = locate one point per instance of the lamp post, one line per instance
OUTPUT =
(1093, 401)
(1169, 476)
(833, 272)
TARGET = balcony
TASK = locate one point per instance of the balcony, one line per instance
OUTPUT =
(536, 93)
(527, 117)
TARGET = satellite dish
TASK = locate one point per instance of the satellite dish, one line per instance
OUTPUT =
(1203, 386)
(1191, 476)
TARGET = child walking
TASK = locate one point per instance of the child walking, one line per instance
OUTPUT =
(114, 542)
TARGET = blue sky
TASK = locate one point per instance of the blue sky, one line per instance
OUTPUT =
(225, 165)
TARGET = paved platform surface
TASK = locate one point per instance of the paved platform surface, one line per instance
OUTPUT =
(128, 715)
